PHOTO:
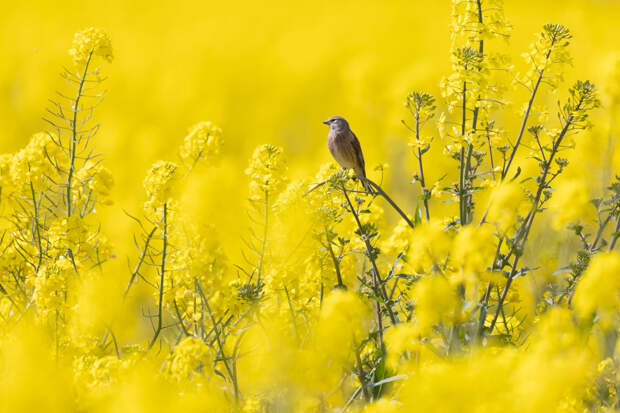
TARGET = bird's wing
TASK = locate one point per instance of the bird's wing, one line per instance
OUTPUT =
(357, 148)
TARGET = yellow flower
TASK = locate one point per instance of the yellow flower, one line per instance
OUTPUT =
(420, 104)
(469, 67)
(466, 25)
(291, 198)
(442, 124)
(201, 257)
(160, 183)
(190, 358)
(473, 248)
(548, 55)
(570, 202)
(383, 405)
(399, 240)
(30, 165)
(97, 179)
(266, 171)
(95, 373)
(252, 405)
(429, 246)
(401, 340)
(6, 182)
(343, 323)
(51, 288)
(435, 301)
(73, 233)
(203, 142)
(322, 203)
(505, 201)
(91, 41)
(599, 289)
(420, 144)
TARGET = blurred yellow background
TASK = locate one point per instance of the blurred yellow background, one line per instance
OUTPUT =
(271, 72)
(266, 72)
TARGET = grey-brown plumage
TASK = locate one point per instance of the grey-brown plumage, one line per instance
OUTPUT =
(345, 148)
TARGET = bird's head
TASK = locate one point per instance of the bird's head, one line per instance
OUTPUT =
(337, 123)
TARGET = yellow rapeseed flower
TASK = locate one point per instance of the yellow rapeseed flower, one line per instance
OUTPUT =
(30, 165)
(343, 322)
(51, 288)
(570, 202)
(266, 171)
(599, 289)
(91, 42)
(506, 198)
(435, 301)
(472, 248)
(191, 357)
(203, 142)
(96, 179)
(429, 245)
(160, 183)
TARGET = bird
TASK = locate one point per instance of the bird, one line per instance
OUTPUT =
(346, 149)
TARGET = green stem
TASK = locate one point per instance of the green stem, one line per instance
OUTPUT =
(162, 270)
(467, 179)
(491, 155)
(293, 315)
(614, 237)
(334, 260)
(420, 167)
(381, 192)
(474, 123)
(264, 243)
(527, 113)
(140, 261)
(36, 225)
(74, 133)
(599, 233)
(379, 288)
(530, 218)
(219, 340)
(362, 376)
(462, 209)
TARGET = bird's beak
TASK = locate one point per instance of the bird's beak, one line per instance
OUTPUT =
(326, 122)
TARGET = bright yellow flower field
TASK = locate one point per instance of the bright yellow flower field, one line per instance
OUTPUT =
(175, 235)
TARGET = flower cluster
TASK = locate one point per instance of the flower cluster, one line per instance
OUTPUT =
(547, 57)
(51, 287)
(91, 42)
(190, 358)
(30, 165)
(474, 87)
(160, 183)
(473, 21)
(598, 291)
(95, 180)
(266, 171)
(204, 141)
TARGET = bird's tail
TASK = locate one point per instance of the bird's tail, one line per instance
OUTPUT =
(367, 186)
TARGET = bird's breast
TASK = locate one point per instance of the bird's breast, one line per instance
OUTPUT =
(341, 149)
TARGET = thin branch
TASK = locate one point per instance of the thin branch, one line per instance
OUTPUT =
(162, 271)
(381, 192)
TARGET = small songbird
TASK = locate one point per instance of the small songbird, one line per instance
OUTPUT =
(345, 148)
